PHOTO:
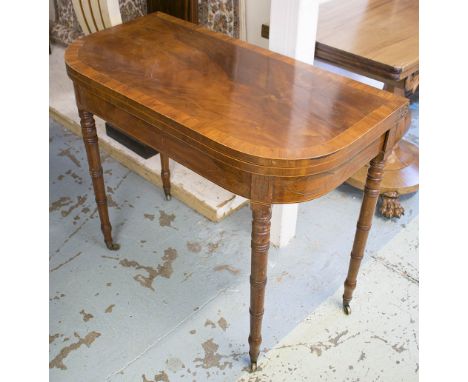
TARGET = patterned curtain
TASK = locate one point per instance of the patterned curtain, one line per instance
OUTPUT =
(130, 9)
(218, 15)
(66, 28)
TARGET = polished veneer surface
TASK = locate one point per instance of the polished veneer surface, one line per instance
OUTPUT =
(259, 124)
(380, 36)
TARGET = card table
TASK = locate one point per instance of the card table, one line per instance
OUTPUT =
(259, 124)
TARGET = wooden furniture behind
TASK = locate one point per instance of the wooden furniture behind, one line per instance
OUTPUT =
(183, 9)
(378, 39)
(257, 123)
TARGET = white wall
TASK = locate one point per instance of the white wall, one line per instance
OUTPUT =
(257, 13)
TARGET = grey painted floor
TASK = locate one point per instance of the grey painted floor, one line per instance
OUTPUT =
(172, 303)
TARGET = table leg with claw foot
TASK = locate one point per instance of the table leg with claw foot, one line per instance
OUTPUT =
(391, 206)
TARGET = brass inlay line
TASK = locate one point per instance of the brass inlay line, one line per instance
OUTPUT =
(100, 13)
(84, 17)
(92, 15)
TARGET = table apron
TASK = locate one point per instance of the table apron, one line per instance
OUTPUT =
(363, 66)
(280, 189)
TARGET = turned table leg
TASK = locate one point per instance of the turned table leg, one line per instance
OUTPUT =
(261, 215)
(369, 202)
(166, 175)
(90, 139)
(401, 175)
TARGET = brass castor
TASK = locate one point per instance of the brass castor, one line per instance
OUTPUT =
(113, 246)
(168, 197)
(253, 367)
(347, 309)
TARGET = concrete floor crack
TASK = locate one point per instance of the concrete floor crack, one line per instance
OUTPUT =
(394, 268)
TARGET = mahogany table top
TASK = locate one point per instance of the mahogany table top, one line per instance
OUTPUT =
(225, 95)
(378, 36)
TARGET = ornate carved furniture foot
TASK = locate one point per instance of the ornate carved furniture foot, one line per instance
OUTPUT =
(391, 207)
(369, 202)
(166, 176)
(261, 215)
(92, 152)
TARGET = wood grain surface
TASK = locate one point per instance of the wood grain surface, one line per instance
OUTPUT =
(380, 37)
(258, 106)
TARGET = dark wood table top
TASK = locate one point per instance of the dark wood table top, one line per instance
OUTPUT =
(221, 92)
(379, 37)
(253, 109)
